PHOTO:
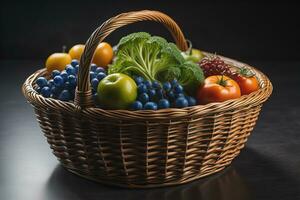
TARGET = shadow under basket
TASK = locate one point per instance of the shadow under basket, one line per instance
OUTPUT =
(141, 149)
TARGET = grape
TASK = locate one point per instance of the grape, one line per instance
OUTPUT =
(100, 69)
(156, 85)
(72, 80)
(137, 105)
(95, 83)
(160, 93)
(92, 75)
(174, 82)
(178, 89)
(38, 89)
(56, 90)
(150, 106)
(101, 76)
(55, 73)
(179, 95)
(64, 75)
(50, 83)
(74, 62)
(167, 86)
(93, 67)
(58, 81)
(139, 80)
(142, 88)
(70, 70)
(181, 102)
(151, 93)
(41, 81)
(64, 95)
(171, 95)
(46, 92)
(143, 97)
(163, 103)
(76, 69)
(148, 84)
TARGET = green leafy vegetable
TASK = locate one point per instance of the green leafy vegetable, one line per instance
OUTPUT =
(153, 58)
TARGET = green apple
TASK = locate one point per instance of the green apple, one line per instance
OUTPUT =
(194, 55)
(116, 91)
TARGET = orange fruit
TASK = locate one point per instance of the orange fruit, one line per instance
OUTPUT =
(57, 61)
(103, 54)
(76, 51)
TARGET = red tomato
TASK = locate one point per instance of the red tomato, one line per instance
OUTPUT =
(218, 89)
(247, 84)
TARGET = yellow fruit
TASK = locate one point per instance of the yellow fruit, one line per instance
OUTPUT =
(58, 61)
(103, 54)
(76, 51)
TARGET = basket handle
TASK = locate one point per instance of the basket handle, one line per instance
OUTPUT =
(83, 96)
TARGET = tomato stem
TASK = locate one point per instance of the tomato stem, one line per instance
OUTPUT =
(222, 81)
(246, 72)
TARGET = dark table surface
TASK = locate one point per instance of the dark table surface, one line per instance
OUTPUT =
(267, 168)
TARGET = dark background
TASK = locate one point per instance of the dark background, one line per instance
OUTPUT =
(265, 35)
(242, 30)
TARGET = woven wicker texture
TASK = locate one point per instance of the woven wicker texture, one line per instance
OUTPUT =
(144, 148)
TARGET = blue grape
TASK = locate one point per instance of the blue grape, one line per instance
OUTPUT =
(93, 67)
(72, 79)
(139, 80)
(150, 106)
(142, 88)
(95, 83)
(92, 75)
(38, 89)
(58, 81)
(181, 102)
(151, 93)
(178, 89)
(144, 97)
(46, 92)
(163, 103)
(192, 101)
(74, 62)
(101, 76)
(160, 93)
(148, 84)
(137, 105)
(50, 83)
(41, 81)
(76, 69)
(64, 75)
(100, 69)
(70, 70)
(179, 95)
(56, 90)
(174, 82)
(167, 86)
(67, 85)
(171, 95)
(55, 73)
(156, 85)
(64, 95)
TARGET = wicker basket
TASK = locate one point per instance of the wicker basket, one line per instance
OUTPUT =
(144, 148)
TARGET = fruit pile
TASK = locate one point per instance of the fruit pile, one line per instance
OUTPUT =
(146, 73)
(62, 84)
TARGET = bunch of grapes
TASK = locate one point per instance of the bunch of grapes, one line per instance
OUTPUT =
(214, 65)
(62, 84)
(152, 95)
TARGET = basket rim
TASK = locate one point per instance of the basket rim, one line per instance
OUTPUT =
(253, 99)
